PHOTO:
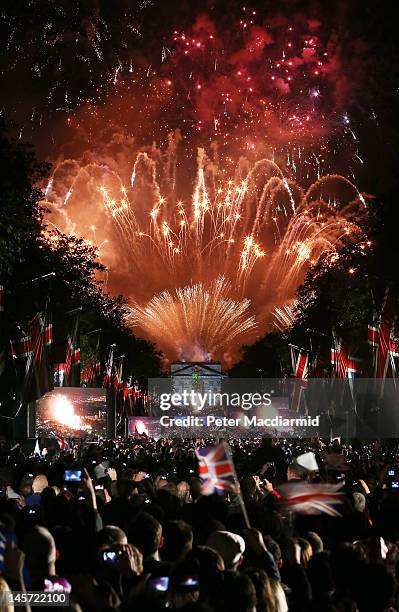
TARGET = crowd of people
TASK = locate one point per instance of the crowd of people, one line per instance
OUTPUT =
(122, 525)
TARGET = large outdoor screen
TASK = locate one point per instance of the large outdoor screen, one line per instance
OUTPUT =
(72, 412)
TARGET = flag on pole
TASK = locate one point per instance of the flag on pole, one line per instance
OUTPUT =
(300, 362)
(61, 441)
(72, 357)
(137, 393)
(216, 470)
(90, 373)
(117, 372)
(34, 346)
(107, 378)
(41, 335)
(300, 369)
(306, 498)
(380, 337)
(118, 385)
(345, 366)
(132, 396)
(128, 398)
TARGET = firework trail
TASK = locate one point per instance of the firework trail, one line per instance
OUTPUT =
(284, 316)
(196, 321)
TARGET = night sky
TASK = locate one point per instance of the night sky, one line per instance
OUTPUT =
(73, 73)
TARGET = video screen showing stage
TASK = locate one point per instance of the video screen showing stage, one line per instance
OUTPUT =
(144, 426)
(72, 412)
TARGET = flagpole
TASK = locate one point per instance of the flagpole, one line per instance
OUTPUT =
(310, 353)
(38, 278)
(240, 497)
(317, 332)
(244, 511)
(70, 312)
(117, 389)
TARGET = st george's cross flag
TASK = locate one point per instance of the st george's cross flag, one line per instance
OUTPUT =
(307, 498)
(216, 470)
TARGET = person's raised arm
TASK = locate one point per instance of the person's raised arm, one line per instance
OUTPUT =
(88, 483)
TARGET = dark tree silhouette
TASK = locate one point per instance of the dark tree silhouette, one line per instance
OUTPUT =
(73, 274)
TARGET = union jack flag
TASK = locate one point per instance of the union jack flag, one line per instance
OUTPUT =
(380, 336)
(72, 358)
(300, 368)
(306, 498)
(109, 364)
(34, 347)
(216, 470)
(61, 441)
(89, 374)
(131, 396)
(300, 362)
(345, 366)
(116, 377)
(41, 334)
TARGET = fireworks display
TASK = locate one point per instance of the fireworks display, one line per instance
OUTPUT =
(276, 84)
(211, 164)
(204, 273)
(196, 321)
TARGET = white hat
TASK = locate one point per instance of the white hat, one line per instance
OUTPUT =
(308, 462)
(230, 546)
